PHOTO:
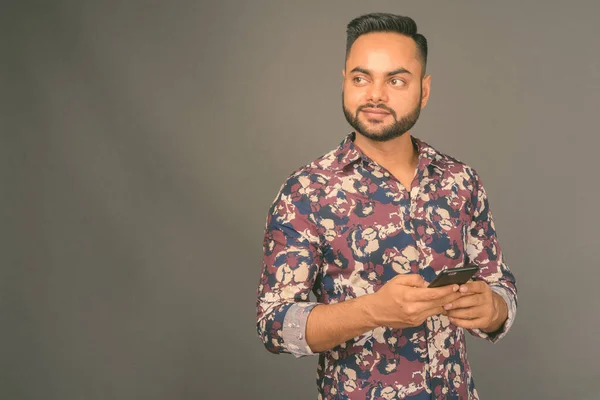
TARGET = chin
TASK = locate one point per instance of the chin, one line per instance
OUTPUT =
(377, 132)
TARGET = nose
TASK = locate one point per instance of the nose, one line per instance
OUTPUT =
(377, 93)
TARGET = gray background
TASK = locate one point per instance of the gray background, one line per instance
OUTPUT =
(143, 142)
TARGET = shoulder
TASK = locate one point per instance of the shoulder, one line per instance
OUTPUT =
(311, 177)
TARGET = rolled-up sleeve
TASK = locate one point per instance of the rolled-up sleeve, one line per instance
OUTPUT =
(294, 329)
(484, 250)
(291, 262)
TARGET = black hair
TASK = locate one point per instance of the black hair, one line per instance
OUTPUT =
(384, 22)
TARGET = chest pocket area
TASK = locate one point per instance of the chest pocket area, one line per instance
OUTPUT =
(444, 224)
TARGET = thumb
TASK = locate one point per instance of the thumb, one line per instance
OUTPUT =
(415, 280)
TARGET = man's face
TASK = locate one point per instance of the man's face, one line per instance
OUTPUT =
(383, 92)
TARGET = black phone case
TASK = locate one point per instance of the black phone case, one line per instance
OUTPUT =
(454, 276)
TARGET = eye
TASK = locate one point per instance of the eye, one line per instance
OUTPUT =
(359, 80)
(397, 82)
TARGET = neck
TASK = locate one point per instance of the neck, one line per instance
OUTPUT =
(394, 154)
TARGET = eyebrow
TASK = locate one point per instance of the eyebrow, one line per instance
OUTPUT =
(397, 71)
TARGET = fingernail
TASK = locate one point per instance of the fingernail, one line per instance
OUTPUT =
(455, 288)
(448, 306)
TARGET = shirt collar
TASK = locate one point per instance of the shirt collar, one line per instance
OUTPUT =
(347, 153)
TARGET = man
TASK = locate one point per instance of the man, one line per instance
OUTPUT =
(367, 226)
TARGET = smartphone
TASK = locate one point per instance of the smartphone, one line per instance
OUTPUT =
(453, 276)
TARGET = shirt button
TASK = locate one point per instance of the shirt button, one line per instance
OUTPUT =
(300, 336)
(386, 174)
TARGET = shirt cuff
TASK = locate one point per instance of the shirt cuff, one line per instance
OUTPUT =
(294, 329)
(511, 305)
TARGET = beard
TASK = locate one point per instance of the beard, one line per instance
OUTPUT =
(381, 132)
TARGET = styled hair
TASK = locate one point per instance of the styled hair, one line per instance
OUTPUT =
(385, 22)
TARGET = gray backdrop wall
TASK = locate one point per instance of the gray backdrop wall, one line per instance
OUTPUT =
(143, 142)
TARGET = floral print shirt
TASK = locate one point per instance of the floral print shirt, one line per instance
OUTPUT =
(341, 227)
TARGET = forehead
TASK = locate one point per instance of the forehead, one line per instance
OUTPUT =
(384, 51)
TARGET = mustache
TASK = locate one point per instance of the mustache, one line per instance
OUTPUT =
(371, 105)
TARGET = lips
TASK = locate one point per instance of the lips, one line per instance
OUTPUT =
(374, 111)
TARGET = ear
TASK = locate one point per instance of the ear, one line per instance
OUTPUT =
(426, 89)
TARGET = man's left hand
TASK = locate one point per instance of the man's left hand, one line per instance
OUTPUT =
(478, 307)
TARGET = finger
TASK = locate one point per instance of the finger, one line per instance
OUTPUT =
(467, 313)
(437, 307)
(465, 301)
(430, 312)
(432, 294)
(413, 280)
(449, 299)
(474, 287)
(468, 323)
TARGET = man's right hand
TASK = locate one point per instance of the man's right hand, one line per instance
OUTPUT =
(406, 301)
